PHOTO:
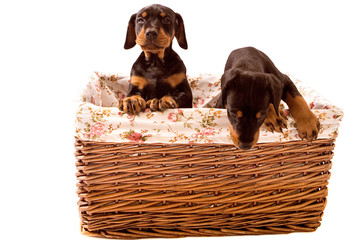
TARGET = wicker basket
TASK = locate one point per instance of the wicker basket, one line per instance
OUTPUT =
(130, 190)
(176, 173)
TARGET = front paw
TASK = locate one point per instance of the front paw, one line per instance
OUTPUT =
(308, 128)
(275, 123)
(132, 105)
(153, 104)
(167, 102)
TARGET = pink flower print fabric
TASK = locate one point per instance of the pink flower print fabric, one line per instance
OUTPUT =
(98, 118)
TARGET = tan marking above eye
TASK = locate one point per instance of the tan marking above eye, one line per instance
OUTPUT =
(239, 114)
(162, 14)
(258, 115)
(144, 14)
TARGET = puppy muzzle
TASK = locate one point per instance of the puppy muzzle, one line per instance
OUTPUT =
(151, 41)
(245, 146)
(151, 34)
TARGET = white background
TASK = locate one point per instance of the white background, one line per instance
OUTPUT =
(49, 48)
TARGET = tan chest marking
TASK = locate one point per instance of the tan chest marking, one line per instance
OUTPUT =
(139, 82)
(175, 79)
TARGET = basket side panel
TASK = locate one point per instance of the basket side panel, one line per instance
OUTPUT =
(154, 190)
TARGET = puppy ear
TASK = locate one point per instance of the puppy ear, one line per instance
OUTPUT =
(227, 81)
(276, 91)
(180, 32)
(130, 35)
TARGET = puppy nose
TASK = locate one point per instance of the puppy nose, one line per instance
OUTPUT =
(151, 34)
(245, 146)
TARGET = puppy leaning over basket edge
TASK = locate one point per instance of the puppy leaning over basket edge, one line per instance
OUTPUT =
(251, 91)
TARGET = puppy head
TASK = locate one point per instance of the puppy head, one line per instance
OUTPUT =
(154, 28)
(247, 97)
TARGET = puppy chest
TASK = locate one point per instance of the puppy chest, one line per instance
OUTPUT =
(157, 88)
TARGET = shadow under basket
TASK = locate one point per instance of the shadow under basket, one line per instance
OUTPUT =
(131, 190)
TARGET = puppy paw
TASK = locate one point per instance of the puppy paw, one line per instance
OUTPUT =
(132, 105)
(273, 122)
(167, 102)
(153, 104)
(308, 128)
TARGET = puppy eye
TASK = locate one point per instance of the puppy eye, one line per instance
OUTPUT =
(140, 20)
(165, 20)
(233, 115)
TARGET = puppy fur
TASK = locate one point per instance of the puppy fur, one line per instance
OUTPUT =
(251, 90)
(158, 77)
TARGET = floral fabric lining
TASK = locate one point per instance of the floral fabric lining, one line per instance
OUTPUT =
(98, 118)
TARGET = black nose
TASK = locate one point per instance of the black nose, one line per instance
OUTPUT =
(151, 34)
(245, 146)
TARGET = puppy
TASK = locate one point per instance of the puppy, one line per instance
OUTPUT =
(158, 77)
(251, 90)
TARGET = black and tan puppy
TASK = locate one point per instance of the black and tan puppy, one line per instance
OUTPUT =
(251, 90)
(158, 77)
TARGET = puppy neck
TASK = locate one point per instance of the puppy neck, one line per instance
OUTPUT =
(157, 53)
(160, 54)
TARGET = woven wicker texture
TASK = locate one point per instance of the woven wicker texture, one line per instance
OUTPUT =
(131, 190)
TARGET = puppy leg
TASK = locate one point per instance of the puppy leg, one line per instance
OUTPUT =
(274, 122)
(132, 105)
(180, 95)
(307, 124)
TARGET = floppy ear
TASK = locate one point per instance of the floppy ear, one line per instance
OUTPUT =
(227, 81)
(130, 35)
(276, 91)
(180, 32)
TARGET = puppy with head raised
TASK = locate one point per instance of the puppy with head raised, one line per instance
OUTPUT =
(158, 77)
(251, 91)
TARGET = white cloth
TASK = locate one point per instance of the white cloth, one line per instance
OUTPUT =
(98, 119)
